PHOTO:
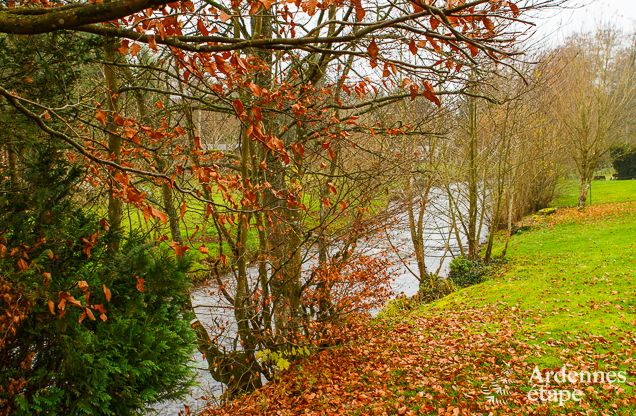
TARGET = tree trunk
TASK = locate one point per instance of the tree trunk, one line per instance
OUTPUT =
(115, 205)
(583, 188)
(416, 230)
(14, 176)
(472, 237)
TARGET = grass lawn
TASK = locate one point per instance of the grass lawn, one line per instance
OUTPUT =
(197, 230)
(566, 297)
(603, 192)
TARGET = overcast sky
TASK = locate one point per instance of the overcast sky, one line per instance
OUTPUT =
(557, 24)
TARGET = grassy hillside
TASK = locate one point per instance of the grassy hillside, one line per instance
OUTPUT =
(566, 297)
(603, 192)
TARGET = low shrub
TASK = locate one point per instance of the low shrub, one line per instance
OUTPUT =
(434, 288)
(547, 211)
(624, 161)
(465, 272)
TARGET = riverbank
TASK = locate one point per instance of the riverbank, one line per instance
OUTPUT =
(567, 297)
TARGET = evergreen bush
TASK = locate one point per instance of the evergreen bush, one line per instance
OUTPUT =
(93, 333)
(624, 161)
(465, 272)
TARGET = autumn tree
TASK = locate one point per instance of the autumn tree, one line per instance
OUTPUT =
(296, 80)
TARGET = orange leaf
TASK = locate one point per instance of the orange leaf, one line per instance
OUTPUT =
(107, 293)
(201, 28)
(104, 224)
(256, 90)
(373, 49)
(140, 284)
(309, 7)
(434, 23)
(134, 49)
(434, 43)
(22, 265)
(71, 299)
(160, 215)
(123, 46)
(224, 17)
(90, 314)
(151, 212)
(152, 42)
(360, 12)
(514, 8)
(413, 47)
(489, 24)
(183, 209)
(238, 107)
(414, 90)
(203, 249)
(100, 116)
(429, 94)
(179, 249)
(51, 307)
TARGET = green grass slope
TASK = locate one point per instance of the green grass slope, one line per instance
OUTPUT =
(603, 192)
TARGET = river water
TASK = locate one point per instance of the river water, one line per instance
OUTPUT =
(392, 242)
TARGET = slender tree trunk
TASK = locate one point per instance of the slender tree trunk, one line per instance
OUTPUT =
(455, 218)
(473, 243)
(243, 308)
(583, 189)
(115, 205)
(167, 197)
(324, 303)
(168, 204)
(14, 176)
(494, 226)
(511, 201)
(416, 229)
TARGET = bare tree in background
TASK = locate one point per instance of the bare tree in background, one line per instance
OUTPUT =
(592, 100)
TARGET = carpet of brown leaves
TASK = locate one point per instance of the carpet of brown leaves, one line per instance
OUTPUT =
(439, 363)
(589, 214)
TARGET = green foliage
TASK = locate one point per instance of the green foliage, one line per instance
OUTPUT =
(547, 211)
(624, 161)
(282, 359)
(434, 288)
(136, 356)
(465, 272)
(45, 66)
